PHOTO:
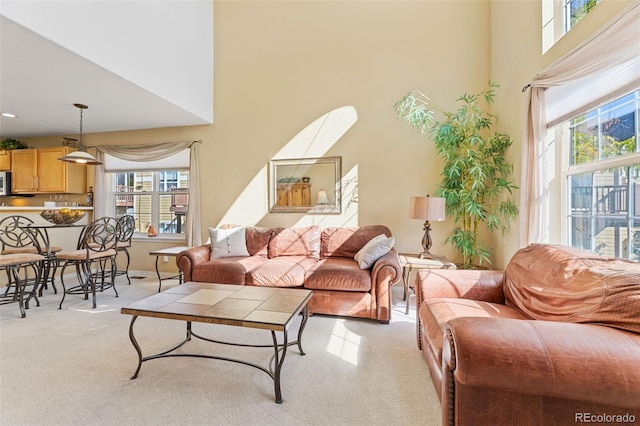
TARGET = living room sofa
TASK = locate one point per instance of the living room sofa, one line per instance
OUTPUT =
(322, 260)
(554, 339)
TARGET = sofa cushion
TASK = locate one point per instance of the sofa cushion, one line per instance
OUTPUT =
(374, 250)
(303, 241)
(559, 283)
(258, 240)
(283, 271)
(226, 270)
(228, 242)
(346, 242)
(436, 312)
(338, 274)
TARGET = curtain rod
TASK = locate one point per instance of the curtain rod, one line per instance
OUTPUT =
(192, 142)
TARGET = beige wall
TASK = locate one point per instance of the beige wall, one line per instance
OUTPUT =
(313, 78)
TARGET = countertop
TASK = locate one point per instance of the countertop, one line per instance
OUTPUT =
(40, 208)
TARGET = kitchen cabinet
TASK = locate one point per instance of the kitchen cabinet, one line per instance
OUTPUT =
(5, 161)
(40, 171)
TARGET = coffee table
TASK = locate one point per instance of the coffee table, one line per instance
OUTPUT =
(267, 308)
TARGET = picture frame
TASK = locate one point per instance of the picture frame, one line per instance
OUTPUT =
(306, 185)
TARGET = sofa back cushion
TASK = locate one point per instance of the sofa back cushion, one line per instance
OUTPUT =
(346, 242)
(559, 283)
(258, 240)
(303, 241)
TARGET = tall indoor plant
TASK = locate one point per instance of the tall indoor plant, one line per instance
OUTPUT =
(477, 177)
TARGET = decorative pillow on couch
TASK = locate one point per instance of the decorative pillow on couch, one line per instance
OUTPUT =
(257, 238)
(560, 283)
(374, 250)
(228, 242)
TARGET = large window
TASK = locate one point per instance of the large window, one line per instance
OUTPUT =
(154, 198)
(603, 179)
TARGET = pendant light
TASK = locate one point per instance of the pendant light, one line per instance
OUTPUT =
(81, 155)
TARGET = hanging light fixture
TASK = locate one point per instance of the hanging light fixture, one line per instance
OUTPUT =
(81, 155)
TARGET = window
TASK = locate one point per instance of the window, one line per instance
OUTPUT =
(603, 179)
(575, 10)
(559, 16)
(154, 198)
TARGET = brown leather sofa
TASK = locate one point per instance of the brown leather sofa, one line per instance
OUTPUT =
(318, 259)
(552, 340)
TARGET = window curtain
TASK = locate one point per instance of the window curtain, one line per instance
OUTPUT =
(615, 44)
(143, 153)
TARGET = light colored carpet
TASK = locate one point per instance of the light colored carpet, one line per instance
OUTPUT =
(72, 367)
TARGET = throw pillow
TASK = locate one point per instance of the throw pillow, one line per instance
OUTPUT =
(228, 242)
(374, 250)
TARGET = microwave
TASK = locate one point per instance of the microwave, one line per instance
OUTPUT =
(5, 183)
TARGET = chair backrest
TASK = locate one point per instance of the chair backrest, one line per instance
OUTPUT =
(100, 235)
(15, 235)
(127, 224)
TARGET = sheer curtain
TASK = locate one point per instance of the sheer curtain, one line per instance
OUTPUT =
(144, 153)
(614, 45)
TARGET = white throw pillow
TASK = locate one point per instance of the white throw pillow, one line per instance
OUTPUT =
(374, 250)
(228, 242)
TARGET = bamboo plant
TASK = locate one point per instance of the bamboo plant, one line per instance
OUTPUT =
(477, 176)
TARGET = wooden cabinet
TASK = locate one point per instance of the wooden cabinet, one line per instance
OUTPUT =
(5, 161)
(294, 194)
(41, 171)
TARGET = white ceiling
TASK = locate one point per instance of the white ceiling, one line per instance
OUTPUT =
(132, 73)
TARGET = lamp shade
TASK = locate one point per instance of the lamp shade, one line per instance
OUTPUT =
(81, 157)
(322, 197)
(427, 208)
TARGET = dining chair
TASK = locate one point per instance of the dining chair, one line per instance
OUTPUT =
(13, 264)
(96, 248)
(127, 225)
(16, 237)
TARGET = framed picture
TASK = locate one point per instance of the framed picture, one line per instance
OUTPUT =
(306, 185)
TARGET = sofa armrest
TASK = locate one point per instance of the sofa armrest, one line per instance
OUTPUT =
(385, 272)
(476, 284)
(188, 259)
(578, 362)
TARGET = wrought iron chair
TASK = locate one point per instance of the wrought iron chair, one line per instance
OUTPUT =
(16, 237)
(97, 248)
(127, 225)
(17, 285)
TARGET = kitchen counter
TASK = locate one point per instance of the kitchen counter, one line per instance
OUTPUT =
(12, 209)
(67, 238)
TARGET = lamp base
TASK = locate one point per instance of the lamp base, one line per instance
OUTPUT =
(425, 255)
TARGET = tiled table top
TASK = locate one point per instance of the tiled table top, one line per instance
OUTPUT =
(246, 306)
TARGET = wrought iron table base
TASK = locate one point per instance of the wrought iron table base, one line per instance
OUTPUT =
(277, 359)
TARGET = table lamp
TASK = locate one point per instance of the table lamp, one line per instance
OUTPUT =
(322, 197)
(428, 209)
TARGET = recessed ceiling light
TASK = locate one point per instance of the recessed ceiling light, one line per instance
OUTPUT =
(8, 115)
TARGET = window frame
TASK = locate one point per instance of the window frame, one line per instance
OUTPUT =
(570, 170)
(155, 199)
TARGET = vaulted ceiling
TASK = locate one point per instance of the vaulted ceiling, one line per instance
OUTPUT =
(136, 64)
